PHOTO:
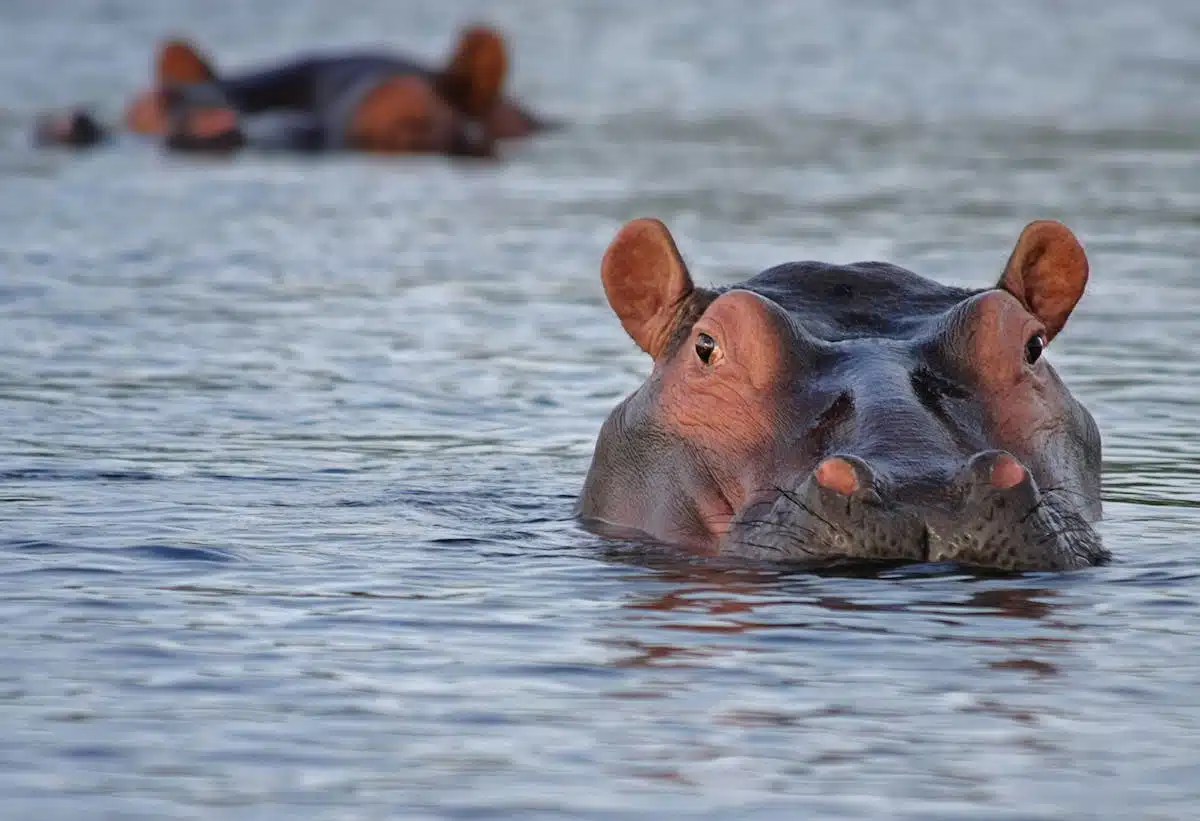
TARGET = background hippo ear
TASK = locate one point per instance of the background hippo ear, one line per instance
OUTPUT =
(180, 62)
(1047, 271)
(646, 282)
(473, 79)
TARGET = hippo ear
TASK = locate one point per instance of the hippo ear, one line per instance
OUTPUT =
(1047, 272)
(180, 62)
(474, 77)
(646, 282)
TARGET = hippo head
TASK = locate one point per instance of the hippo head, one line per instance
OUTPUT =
(829, 413)
(74, 128)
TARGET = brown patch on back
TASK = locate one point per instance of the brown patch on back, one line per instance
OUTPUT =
(179, 62)
(401, 115)
(473, 79)
(1047, 272)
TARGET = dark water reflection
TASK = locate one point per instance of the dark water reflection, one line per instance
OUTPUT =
(288, 450)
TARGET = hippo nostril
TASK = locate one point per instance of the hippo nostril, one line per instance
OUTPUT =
(1007, 472)
(996, 469)
(847, 475)
(837, 475)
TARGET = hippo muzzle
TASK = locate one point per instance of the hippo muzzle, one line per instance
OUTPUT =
(845, 413)
(991, 514)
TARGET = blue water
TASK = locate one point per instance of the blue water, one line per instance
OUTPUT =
(288, 449)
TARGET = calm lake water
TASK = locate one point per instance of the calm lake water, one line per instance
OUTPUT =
(288, 448)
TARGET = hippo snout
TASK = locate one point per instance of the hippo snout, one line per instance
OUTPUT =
(988, 513)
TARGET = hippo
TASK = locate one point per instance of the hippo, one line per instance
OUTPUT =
(365, 102)
(352, 99)
(390, 114)
(831, 414)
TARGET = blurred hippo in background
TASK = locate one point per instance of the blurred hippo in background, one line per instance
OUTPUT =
(367, 102)
(825, 413)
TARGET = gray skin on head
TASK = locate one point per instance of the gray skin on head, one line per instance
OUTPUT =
(850, 412)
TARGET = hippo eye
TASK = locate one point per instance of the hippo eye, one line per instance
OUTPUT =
(1034, 347)
(705, 345)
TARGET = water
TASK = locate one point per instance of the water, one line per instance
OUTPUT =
(288, 448)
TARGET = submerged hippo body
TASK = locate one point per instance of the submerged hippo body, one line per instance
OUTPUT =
(362, 101)
(825, 413)
(370, 102)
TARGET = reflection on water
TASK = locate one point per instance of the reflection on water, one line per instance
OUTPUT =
(288, 450)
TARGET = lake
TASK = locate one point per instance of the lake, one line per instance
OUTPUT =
(289, 447)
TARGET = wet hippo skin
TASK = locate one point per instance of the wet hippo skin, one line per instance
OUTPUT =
(365, 101)
(369, 102)
(825, 413)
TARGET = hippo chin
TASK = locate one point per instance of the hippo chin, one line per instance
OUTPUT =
(828, 413)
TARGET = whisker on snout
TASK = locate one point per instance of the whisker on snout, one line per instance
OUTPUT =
(794, 499)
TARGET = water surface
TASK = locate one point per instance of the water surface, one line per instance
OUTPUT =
(288, 449)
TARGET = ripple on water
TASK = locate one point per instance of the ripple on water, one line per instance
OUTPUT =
(288, 450)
